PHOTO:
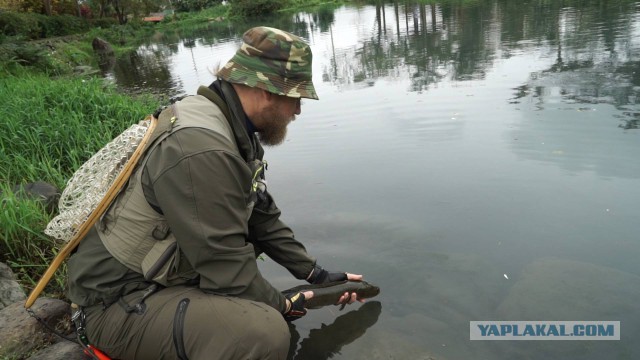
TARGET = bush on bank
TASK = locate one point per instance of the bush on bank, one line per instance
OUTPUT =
(254, 8)
(37, 26)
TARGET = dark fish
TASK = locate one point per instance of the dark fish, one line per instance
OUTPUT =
(330, 293)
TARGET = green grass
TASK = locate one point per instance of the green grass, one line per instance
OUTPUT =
(189, 18)
(49, 128)
(25, 247)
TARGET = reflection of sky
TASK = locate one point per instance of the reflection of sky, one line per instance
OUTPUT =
(350, 27)
(570, 115)
(635, 28)
(341, 43)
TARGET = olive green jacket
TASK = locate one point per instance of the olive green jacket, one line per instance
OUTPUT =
(200, 182)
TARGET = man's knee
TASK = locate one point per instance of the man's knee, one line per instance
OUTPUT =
(236, 329)
(266, 340)
(273, 334)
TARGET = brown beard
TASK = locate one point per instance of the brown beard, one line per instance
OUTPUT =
(273, 130)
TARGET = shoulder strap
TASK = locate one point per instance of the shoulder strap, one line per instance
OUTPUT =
(165, 123)
(216, 99)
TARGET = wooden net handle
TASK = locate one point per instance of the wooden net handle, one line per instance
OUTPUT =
(113, 191)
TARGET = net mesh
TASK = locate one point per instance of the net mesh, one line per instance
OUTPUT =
(90, 183)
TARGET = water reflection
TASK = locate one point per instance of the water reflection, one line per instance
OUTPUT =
(148, 69)
(431, 43)
(592, 86)
(594, 62)
(324, 342)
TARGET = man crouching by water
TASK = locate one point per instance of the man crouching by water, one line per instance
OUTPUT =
(170, 271)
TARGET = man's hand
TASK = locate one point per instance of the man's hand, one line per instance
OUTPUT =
(295, 302)
(295, 305)
(320, 276)
(347, 298)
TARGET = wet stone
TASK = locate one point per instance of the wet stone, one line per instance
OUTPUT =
(21, 333)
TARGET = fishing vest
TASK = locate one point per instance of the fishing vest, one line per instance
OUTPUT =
(136, 234)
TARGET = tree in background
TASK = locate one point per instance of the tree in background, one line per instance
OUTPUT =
(194, 5)
(253, 8)
(23, 5)
(120, 9)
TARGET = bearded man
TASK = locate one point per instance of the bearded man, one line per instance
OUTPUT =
(170, 272)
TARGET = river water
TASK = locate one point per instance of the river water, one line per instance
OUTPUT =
(477, 160)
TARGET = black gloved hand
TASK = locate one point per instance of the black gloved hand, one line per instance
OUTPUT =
(297, 310)
(321, 276)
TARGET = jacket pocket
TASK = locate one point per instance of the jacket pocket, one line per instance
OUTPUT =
(178, 329)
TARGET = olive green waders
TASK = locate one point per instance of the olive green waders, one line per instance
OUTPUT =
(184, 323)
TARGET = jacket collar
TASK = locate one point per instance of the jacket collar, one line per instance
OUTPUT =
(243, 130)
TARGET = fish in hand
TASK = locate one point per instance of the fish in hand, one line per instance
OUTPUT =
(329, 293)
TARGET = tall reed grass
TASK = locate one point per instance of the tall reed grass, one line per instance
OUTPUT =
(49, 127)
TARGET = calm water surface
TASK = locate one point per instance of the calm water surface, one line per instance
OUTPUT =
(478, 162)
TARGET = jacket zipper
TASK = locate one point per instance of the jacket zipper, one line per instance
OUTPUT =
(178, 329)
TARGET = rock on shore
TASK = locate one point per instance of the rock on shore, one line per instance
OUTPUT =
(21, 335)
(10, 291)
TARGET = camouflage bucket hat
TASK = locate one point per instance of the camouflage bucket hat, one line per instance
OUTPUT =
(272, 60)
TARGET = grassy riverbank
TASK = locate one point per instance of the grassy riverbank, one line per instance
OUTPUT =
(50, 127)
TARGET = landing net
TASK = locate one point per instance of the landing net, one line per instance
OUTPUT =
(90, 183)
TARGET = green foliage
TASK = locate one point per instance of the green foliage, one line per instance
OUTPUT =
(15, 24)
(37, 56)
(45, 56)
(194, 5)
(104, 23)
(297, 4)
(49, 128)
(37, 26)
(61, 25)
(255, 8)
(122, 37)
(24, 5)
(55, 125)
(187, 19)
(23, 245)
